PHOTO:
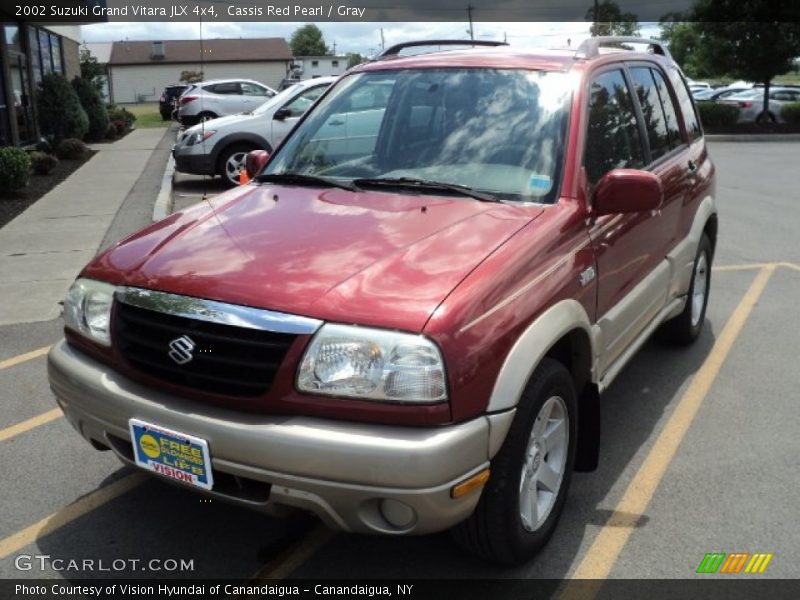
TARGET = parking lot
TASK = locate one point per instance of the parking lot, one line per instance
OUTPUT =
(699, 447)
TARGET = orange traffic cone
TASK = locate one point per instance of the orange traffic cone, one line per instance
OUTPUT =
(243, 178)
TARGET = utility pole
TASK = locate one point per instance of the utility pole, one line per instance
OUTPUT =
(334, 47)
(383, 42)
(469, 13)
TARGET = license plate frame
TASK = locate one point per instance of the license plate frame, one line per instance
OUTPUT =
(173, 454)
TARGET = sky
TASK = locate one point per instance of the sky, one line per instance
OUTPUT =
(363, 38)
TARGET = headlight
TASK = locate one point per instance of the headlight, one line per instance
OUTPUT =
(87, 309)
(372, 364)
(199, 136)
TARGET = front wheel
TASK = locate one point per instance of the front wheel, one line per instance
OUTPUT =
(231, 162)
(523, 499)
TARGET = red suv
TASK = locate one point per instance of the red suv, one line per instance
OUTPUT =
(404, 322)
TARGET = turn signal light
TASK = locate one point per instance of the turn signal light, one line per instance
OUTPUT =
(466, 486)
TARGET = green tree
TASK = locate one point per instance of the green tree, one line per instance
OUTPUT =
(758, 40)
(353, 59)
(60, 112)
(191, 76)
(308, 41)
(91, 70)
(684, 40)
(611, 20)
(95, 108)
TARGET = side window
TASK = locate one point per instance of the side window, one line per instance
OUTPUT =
(670, 113)
(654, 120)
(686, 104)
(300, 104)
(225, 88)
(612, 138)
(251, 89)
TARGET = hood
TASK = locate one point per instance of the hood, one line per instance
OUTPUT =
(218, 123)
(372, 258)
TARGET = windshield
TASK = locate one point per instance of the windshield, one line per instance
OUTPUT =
(499, 131)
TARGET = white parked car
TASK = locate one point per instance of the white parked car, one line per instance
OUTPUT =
(219, 146)
(751, 103)
(221, 97)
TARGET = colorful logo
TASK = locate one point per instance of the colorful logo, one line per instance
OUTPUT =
(149, 445)
(734, 563)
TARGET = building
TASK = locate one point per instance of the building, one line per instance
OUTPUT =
(28, 52)
(319, 66)
(139, 71)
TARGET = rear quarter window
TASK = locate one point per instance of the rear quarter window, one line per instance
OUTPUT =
(686, 104)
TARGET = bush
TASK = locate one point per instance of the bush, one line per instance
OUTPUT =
(60, 112)
(42, 162)
(71, 149)
(15, 168)
(94, 106)
(791, 112)
(44, 145)
(717, 115)
(117, 113)
(120, 126)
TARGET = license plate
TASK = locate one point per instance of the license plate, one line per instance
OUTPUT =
(172, 454)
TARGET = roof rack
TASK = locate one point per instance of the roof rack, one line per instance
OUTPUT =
(397, 48)
(591, 47)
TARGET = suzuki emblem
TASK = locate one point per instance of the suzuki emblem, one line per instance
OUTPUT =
(181, 349)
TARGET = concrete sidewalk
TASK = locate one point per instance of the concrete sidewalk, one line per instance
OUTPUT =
(44, 248)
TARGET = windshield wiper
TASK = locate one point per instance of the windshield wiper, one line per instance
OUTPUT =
(301, 179)
(424, 184)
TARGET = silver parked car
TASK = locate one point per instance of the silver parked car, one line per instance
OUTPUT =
(751, 103)
(221, 97)
(219, 146)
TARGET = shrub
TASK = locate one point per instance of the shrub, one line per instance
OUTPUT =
(94, 106)
(44, 145)
(791, 112)
(112, 132)
(42, 162)
(71, 149)
(717, 115)
(60, 112)
(15, 168)
(120, 126)
(118, 113)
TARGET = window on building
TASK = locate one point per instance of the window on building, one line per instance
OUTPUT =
(612, 140)
(36, 55)
(314, 63)
(44, 47)
(334, 63)
(55, 53)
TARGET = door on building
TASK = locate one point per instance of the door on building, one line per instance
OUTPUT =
(21, 94)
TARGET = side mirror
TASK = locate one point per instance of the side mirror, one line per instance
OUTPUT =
(281, 114)
(627, 191)
(255, 161)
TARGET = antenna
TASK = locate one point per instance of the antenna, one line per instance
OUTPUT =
(469, 14)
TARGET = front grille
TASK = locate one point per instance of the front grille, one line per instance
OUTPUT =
(225, 359)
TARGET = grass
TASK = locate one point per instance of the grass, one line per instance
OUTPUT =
(147, 115)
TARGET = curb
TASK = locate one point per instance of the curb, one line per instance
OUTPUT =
(163, 203)
(754, 137)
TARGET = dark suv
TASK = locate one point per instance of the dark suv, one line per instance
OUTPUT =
(167, 103)
(405, 322)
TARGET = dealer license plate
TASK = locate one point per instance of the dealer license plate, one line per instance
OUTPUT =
(171, 453)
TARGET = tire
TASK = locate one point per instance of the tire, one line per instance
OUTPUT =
(686, 327)
(205, 116)
(503, 527)
(231, 161)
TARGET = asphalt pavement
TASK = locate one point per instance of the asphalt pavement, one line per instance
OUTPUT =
(699, 446)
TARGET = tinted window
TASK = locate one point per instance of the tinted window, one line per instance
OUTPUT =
(612, 139)
(652, 112)
(670, 113)
(225, 88)
(686, 104)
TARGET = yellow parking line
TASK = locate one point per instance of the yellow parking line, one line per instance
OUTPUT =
(744, 267)
(9, 432)
(21, 358)
(603, 553)
(284, 564)
(66, 515)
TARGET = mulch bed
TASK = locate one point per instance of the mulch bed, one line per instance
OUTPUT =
(754, 128)
(14, 203)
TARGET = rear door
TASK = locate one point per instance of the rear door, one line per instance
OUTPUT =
(224, 99)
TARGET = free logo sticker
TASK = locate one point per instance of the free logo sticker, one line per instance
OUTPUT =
(149, 446)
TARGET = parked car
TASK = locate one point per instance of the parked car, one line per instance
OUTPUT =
(715, 95)
(168, 102)
(405, 327)
(221, 97)
(219, 146)
(751, 103)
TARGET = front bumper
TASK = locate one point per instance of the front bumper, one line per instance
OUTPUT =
(196, 164)
(356, 477)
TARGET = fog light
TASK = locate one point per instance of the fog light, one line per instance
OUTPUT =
(398, 514)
